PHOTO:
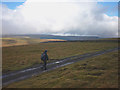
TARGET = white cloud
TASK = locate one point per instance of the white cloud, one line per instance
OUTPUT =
(61, 0)
(59, 18)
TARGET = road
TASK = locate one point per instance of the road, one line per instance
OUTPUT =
(15, 76)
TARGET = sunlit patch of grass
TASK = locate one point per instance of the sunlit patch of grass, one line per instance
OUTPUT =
(6, 38)
(7, 42)
(98, 72)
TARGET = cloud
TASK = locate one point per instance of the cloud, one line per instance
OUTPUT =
(59, 18)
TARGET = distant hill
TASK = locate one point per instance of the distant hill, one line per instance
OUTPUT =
(55, 37)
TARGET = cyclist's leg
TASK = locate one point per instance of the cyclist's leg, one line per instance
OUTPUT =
(45, 64)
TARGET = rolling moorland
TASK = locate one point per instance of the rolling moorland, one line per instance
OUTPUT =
(18, 57)
(96, 72)
(23, 56)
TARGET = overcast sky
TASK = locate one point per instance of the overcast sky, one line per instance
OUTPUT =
(60, 18)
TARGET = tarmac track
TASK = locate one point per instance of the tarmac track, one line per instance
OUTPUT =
(15, 76)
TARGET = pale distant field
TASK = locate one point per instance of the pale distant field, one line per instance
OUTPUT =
(6, 42)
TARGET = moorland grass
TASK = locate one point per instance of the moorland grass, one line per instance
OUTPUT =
(19, 57)
(96, 72)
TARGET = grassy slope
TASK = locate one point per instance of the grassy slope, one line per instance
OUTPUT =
(17, 57)
(97, 72)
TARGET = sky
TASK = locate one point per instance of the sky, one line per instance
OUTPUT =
(110, 5)
(60, 18)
